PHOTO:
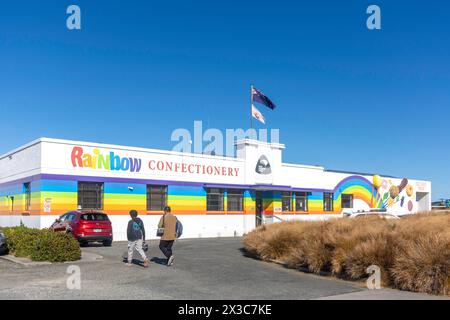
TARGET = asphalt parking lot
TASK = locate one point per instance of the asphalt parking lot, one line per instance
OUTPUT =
(204, 269)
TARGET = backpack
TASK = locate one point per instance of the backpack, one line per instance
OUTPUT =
(178, 229)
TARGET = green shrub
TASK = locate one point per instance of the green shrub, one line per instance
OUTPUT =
(21, 240)
(42, 245)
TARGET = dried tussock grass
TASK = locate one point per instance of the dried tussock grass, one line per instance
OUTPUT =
(423, 264)
(413, 253)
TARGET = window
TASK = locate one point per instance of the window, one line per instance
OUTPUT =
(94, 217)
(214, 199)
(27, 192)
(64, 217)
(156, 198)
(235, 199)
(286, 201)
(71, 217)
(301, 202)
(347, 201)
(90, 195)
(327, 201)
(68, 216)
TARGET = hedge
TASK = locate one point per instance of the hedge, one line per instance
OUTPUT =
(42, 245)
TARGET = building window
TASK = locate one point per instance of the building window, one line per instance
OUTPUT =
(156, 197)
(214, 199)
(327, 201)
(301, 201)
(286, 201)
(27, 192)
(347, 201)
(235, 200)
(90, 195)
(11, 198)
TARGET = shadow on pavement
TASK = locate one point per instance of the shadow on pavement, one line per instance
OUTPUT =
(134, 261)
(159, 260)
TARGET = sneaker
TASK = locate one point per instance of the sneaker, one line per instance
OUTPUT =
(170, 261)
(128, 264)
(146, 263)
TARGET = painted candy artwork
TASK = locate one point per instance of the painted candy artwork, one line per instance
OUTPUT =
(389, 194)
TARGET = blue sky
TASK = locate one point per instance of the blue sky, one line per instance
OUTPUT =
(348, 98)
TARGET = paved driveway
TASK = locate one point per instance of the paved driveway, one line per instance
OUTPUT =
(204, 269)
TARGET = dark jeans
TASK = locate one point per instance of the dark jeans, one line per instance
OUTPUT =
(166, 247)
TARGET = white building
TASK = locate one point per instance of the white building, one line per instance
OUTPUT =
(213, 196)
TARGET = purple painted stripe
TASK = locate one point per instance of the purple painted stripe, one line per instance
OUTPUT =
(22, 180)
(140, 181)
(177, 183)
(118, 180)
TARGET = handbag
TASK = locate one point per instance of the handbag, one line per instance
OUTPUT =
(178, 229)
(160, 231)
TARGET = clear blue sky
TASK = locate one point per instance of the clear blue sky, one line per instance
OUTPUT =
(348, 98)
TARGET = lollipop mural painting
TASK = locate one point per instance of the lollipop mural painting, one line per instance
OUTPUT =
(389, 194)
(376, 184)
(376, 181)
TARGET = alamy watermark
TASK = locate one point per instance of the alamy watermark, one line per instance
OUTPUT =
(73, 281)
(374, 280)
(213, 141)
(73, 21)
(374, 20)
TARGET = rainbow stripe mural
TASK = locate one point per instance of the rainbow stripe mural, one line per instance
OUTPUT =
(54, 195)
(358, 186)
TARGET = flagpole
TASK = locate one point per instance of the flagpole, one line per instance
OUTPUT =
(251, 106)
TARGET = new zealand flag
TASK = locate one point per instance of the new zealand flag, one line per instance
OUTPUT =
(258, 96)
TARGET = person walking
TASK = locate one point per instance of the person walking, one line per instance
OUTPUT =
(136, 237)
(167, 226)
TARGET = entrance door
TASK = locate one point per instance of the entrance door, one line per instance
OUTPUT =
(259, 208)
(423, 201)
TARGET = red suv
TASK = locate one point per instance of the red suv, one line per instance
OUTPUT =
(85, 226)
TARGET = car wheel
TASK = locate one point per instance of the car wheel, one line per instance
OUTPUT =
(107, 243)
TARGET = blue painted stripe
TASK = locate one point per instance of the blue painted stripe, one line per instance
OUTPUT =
(123, 188)
(58, 186)
(186, 191)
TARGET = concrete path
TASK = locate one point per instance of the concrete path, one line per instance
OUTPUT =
(204, 269)
(383, 294)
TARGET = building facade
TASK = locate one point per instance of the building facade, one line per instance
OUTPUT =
(213, 196)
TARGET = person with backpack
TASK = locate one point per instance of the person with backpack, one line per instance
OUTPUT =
(136, 237)
(169, 228)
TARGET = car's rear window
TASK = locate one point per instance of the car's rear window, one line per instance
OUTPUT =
(94, 217)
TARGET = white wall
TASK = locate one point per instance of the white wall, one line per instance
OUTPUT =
(198, 226)
(56, 159)
(21, 163)
(310, 217)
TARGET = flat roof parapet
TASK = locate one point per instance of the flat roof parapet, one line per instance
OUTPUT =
(254, 142)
